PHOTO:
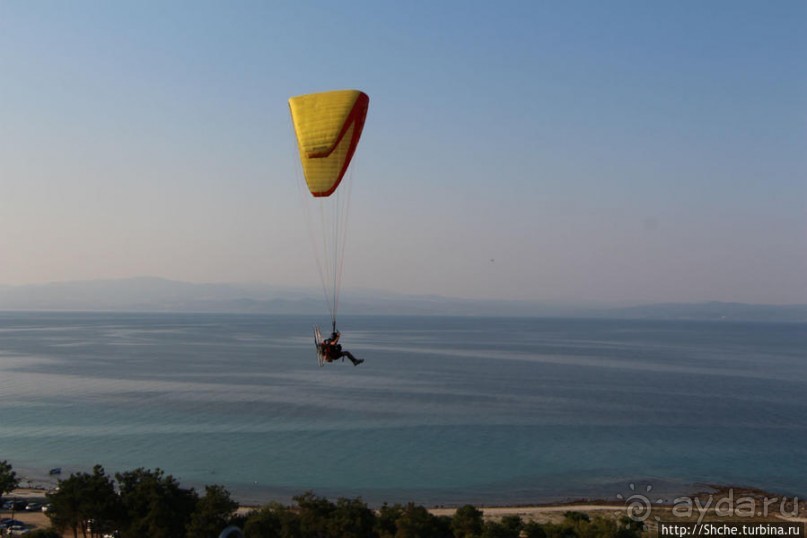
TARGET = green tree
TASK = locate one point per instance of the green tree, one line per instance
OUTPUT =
(534, 530)
(65, 510)
(352, 519)
(85, 502)
(629, 528)
(213, 512)
(154, 504)
(442, 525)
(575, 517)
(599, 528)
(272, 521)
(563, 530)
(8, 478)
(467, 522)
(385, 521)
(580, 525)
(513, 523)
(416, 522)
(315, 514)
(508, 527)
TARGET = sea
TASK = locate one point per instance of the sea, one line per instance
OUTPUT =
(445, 410)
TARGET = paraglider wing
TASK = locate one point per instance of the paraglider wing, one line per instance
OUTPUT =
(328, 126)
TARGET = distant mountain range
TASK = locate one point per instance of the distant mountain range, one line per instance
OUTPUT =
(148, 294)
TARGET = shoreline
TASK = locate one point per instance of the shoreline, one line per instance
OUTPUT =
(699, 490)
(717, 498)
(715, 492)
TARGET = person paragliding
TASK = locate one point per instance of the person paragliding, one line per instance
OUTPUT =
(328, 126)
(332, 350)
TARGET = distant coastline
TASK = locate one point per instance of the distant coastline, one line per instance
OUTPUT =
(710, 502)
(148, 294)
(36, 482)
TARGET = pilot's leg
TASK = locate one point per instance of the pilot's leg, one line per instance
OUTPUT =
(353, 359)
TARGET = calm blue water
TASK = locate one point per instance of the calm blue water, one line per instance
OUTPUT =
(445, 410)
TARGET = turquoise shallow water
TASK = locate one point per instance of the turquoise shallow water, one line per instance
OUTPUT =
(445, 410)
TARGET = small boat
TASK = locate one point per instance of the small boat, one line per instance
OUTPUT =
(55, 471)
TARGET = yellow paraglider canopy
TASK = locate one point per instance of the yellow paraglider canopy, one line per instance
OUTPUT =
(328, 126)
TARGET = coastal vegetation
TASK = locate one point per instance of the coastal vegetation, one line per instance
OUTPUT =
(8, 478)
(150, 503)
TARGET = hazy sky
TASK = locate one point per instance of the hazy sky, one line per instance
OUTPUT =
(566, 151)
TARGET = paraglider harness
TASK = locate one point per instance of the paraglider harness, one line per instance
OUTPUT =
(329, 349)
